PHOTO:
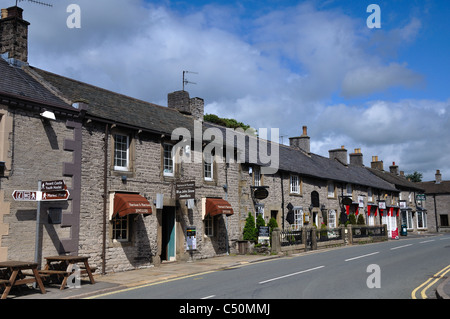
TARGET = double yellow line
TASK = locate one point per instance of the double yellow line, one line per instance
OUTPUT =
(430, 282)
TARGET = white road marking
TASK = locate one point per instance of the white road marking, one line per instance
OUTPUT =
(362, 256)
(394, 248)
(208, 297)
(426, 241)
(289, 275)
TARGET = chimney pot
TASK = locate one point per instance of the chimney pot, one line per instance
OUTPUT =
(305, 130)
(438, 177)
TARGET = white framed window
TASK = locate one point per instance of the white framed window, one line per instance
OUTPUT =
(371, 220)
(369, 195)
(259, 211)
(295, 184)
(332, 218)
(120, 228)
(349, 190)
(331, 190)
(256, 176)
(121, 152)
(421, 220)
(208, 171)
(298, 218)
(168, 161)
(209, 226)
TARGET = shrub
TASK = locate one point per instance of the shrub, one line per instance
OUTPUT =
(361, 220)
(352, 219)
(250, 230)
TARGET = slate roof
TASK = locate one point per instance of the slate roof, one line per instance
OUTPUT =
(316, 166)
(121, 109)
(18, 84)
(118, 108)
(432, 188)
(399, 181)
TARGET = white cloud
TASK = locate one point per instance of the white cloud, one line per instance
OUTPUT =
(282, 69)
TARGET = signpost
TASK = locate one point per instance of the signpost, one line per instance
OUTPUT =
(47, 191)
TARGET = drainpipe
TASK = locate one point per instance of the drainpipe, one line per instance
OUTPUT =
(105, 196)
(435, 213)
(282, 200)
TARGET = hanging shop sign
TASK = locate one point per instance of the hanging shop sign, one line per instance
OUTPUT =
(185, 190)
(260, 192)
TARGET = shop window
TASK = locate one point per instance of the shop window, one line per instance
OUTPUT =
(120, 228)
(209, 226)
(298, 218)
(332, 218)
(421, 220)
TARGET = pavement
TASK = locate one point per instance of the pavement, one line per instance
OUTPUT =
(167, 271)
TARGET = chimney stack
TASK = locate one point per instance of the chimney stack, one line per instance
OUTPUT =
(301, 142)
(393, 168)
(14, 34)
(180, 101)
(438, 177)
(339, 154)
(356, 158)
(376, 164)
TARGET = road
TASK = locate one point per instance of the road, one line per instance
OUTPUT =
(393, 269)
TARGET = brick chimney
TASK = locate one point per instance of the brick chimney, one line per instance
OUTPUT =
(14, 34)
(356, 158)
(180, 100)
(376, 164)
(301, 142)
(393, 168)
(438, 177)
(339, 154)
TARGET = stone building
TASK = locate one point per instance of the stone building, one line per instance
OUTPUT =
(143, 177)
(437, 203)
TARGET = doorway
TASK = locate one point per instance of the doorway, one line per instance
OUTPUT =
(168, 234)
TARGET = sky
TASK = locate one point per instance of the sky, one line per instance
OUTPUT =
(272, 64)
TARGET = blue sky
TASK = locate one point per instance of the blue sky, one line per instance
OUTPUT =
(280, 64)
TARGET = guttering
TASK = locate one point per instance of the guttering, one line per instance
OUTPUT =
(105, 196)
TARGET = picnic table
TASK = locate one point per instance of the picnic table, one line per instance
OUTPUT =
(11, 275)
(64, 266)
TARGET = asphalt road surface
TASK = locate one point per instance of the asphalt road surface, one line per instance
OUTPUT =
(393, 269)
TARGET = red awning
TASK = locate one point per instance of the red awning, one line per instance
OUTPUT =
(216, 206)
(125, 204)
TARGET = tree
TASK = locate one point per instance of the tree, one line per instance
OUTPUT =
(230, 123)
(415, 177)
(260, 221)
(352, 219)
(250, 230)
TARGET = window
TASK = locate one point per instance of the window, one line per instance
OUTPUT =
(349, 190)
(295, 184)
(209, 226)
(331, 190)
(371, 220)
(407, 219)
(120, 228)
(332, 218)
(121, 152)
(208, 167)
(259, 211)
(168, 160)
(421, 219)
(369, 195)
(256, 176)
(298, 218)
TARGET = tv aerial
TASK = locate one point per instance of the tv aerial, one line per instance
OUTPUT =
(35, 1)
(185, 81)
